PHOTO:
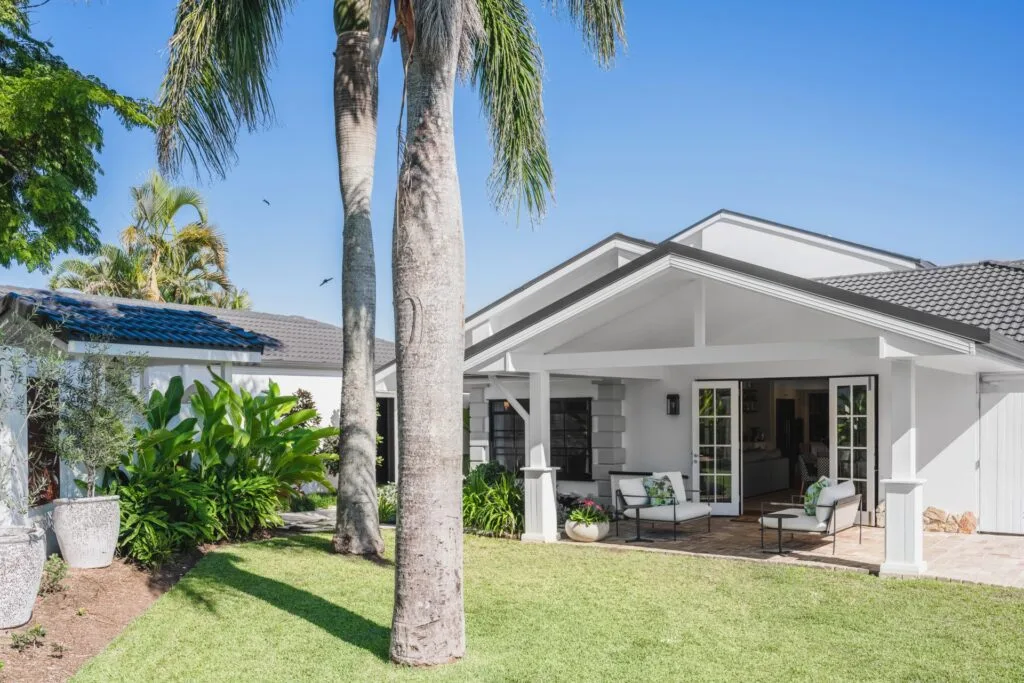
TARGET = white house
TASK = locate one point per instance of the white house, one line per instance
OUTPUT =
(737, 343)
(245, 347)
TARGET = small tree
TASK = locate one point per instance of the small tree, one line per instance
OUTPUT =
(27, 354)
(99, 404)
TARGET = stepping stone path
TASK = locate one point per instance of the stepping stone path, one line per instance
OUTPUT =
(316, 520)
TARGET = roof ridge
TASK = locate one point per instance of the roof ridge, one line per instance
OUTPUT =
(1015, 265)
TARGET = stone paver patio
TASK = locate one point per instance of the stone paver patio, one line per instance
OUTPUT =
(976, 558)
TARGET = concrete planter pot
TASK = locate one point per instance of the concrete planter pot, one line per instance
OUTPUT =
(86, 529)
(22, 553)
(586, 533)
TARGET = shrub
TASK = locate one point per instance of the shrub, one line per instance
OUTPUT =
(493, 501)
(387, 503)
(307, 502)
(246, 504)
(55, 570)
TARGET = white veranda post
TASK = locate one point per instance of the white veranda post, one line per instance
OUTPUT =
(538, 475)
(904, 528)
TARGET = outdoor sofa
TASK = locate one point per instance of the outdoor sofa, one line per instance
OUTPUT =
(633, 502)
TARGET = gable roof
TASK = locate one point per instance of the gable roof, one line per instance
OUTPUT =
(699, 225)
(283, 339)
(987, 294)
(617, 236)
(824, 290)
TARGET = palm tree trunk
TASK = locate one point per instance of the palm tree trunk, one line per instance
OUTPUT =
(357, 529)
(428, 625)
(153, 283)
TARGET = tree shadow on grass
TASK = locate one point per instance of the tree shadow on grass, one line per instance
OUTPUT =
(336, 620)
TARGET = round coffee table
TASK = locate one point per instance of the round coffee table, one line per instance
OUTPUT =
(779, 516)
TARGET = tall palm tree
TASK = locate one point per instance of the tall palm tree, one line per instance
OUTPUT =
(113, 271)
(153, 233)
(217, 81)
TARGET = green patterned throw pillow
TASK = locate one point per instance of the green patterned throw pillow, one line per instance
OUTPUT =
(811, 496)
(659, 490)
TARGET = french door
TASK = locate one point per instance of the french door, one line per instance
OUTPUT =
(852, 453)
(716, 445)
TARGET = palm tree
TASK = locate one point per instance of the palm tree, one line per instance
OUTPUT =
(217, 82)
(113, 271)
(154, 234)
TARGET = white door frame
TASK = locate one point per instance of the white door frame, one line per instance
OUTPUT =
(858, 421)
(734, 501)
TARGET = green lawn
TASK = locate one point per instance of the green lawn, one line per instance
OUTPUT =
(285, 609)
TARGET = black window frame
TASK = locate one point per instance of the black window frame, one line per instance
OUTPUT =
(575, 462)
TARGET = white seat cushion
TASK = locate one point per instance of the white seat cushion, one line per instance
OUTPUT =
(802, 521)
(828, 497)
(633, 491)
(663, 513)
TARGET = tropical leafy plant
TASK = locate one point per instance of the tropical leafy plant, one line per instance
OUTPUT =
(246, 504)
(387, 503)
(493, 502)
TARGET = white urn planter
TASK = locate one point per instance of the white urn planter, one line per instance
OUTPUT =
(586, 533)
(86, 529)
(22, 553)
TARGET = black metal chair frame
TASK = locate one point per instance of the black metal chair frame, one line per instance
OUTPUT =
(829, 530)
(621, 506)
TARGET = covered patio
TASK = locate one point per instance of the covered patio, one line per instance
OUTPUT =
(668, 341)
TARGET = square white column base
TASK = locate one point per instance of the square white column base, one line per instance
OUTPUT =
(541, 523)
(904, 528)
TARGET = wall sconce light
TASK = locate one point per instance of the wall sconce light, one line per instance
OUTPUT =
(672, 404)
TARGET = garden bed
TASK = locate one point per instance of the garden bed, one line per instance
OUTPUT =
(83, 619)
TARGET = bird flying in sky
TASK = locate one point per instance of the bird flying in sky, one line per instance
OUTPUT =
(266, 202)
(325, 281)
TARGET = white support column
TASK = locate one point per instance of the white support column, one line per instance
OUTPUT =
(904, 526)
(700, 318)
(479, 442)
(538, 475)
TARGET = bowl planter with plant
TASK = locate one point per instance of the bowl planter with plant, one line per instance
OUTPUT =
(98, 405)
(588, 521)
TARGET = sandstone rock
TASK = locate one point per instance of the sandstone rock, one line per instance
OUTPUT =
(934, 515)
(968, 523)
(880, 514)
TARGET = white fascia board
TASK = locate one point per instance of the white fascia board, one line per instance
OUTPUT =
(781, 292)
(167, 352)
(799, 235)
(476, 319)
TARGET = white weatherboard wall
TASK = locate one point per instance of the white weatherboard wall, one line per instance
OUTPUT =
(789, 252)
(1002, 462)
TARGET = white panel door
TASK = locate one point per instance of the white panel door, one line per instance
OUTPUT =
(716, 445)
(852, 452)
(1002, 463)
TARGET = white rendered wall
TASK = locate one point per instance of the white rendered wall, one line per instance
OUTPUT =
(788, 252)
(323, 386)
(947, 439)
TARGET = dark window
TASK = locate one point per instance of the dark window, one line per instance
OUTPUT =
(43, 463)
(570, 436)
(817, 417)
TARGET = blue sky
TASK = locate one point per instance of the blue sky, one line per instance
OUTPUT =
(900, 125)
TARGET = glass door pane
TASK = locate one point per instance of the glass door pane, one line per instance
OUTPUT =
(715, 444)
(852, 455)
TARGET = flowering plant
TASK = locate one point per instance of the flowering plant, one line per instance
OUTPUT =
(588, 511)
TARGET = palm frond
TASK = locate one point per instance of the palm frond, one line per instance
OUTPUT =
(351, 15)
(508, 75)
(217, 79)
(602, 24)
